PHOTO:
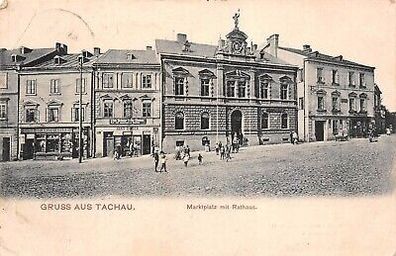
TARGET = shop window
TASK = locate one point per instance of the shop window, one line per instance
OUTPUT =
(284, 121)
(205, 119)
(146, 111)
(40, 143)
(179, 121)
(264, 121)
(52, 143)
(146, 81)
(179, 143)
(205, 85)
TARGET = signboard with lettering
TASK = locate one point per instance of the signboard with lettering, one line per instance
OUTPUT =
(124, 121)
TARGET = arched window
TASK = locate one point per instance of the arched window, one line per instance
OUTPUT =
(284, 121)
(264, 121)
(205, 120)
(179, 121)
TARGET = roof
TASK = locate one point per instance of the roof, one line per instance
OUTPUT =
(128, 56)
(175, 47)
(68, 61)
(29, 56)
(320, 56)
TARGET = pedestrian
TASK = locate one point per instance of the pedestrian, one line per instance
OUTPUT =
(388, 131)
(200, 159)
(187, 151)
(163, 162)
(222, 152)
(228, 154)
(291, 137)
(217, 148)
(131, 149)
(295, 138)
(185, 159)
(156, 160)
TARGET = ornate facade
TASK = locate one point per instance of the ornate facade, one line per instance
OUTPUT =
(219, 93)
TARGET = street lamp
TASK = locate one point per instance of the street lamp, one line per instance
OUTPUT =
(81, 60)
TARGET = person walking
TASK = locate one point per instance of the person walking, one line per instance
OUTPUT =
(295, 138)
(156, 160)
(217, 148)
(222, 152)
(185, 159)
(228, 154)
(187, 151)
(163, 162)
(200, 159)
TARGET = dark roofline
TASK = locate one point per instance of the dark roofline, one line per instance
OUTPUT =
(331, 59)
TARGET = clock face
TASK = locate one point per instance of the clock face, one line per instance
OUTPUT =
(237, 47)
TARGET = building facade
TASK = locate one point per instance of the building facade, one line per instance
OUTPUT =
(49, 106)
(335, 96)
(11, 62)
(224, 93)
(127, 102)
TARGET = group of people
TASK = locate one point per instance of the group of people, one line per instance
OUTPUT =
(134, 150)
(182, 153)
(159, 157)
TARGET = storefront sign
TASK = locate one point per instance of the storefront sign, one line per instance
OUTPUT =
(47, 130)
(125, 121)
(22, 138)
(30, 136)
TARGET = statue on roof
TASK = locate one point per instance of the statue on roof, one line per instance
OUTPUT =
(236, 17)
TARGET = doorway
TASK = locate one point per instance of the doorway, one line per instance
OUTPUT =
(319, 130)
(236, 125)
(108, 144)
(28, 149)
(146, 144)
(6, 149)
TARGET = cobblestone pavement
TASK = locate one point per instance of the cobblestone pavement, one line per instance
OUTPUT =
(352, 168)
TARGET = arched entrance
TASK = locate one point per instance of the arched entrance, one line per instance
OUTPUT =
(236, 125)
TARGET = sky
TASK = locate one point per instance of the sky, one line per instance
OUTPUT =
(363, 31)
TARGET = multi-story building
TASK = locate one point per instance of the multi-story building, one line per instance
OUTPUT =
(49, 106)
(11, 61)
(127, 101)
(220, 93)
(335, 96)
(379, 111)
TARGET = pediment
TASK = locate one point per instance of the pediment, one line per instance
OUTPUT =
(206, 73)
(180, 71)
(30, 103)
(54, 103)
(265, 77)
(238, 74)
(106, 97)
(352, 94)
(285, 79)
(336, 93)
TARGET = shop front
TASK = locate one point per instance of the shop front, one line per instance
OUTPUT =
(53, 143)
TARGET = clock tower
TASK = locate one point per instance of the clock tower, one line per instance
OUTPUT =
(235, 45)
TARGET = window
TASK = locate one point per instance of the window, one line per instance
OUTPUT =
(205, 121)
(3, 110)
(146, 81)
(335, 127)
(179, 121)
(77, 113)
(108, 80)
(301, 103)
(54, 86)
(205, 86)
(264, 121)
(230, 88)
(335, 103)
(53, 114)
(179, 86)
(31, 87)
(31, 115)
(351, 79)
(321, 105)
(361, 80)
(146, 111)
(80, 83)
(319, 75)
(241, 89)
(300, 75)
(335, 76)
(352, 105)
(127, 108)
(127, 80)
(108, 109)
(3, 81)
(284, 121)
(284, 90)
(362, 105)
(264, 89)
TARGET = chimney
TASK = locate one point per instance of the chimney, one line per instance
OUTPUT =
(24, 50)
(273, 42)
(149, 48)
(96, 51)
(61, 48)
(307, 48)
(64, 49)
(181, 38)
(255, 47)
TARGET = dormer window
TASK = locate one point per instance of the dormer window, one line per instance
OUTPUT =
(58, 60)
(130, 56)
(86, 54)
(24, 50)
